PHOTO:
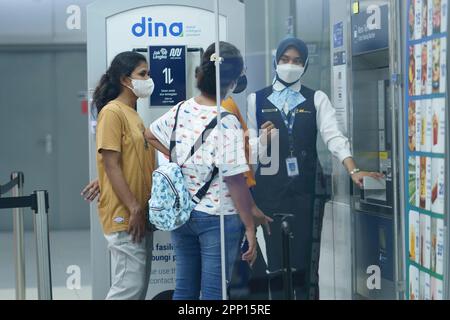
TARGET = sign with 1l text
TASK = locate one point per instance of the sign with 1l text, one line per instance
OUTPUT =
(168, 70)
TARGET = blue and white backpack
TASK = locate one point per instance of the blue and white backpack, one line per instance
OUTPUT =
(171, 203)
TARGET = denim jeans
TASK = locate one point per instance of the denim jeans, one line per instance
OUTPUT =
(198, 258)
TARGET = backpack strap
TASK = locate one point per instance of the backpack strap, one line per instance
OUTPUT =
(173, 143)
(205, 134)
(203, 190)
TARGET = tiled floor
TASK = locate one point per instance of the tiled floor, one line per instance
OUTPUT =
(72, 248)
(68, 248)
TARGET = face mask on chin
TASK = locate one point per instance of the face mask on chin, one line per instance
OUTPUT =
(142, 88)
(290, 73)
(241, 84)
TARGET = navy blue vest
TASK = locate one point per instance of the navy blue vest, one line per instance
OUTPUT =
(272, 191)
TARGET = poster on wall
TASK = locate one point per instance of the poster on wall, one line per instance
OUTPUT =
(437, 292)
(412, 126)
(418, 71)
(427, 18)
(438, 186)
(412, 72)
(438, 145)
(412, 181)
(414, 236)
(424, 71)
(414, 283)
(426, 116)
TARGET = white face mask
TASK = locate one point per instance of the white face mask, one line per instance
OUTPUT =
(142, 88)
(290, 73)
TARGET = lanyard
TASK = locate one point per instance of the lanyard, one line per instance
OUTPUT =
(289, 121)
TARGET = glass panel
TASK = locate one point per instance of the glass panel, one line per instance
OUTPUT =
(293, 175)
(310, 188)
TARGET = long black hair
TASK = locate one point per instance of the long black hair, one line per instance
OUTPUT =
(110, 87)
(230, 69)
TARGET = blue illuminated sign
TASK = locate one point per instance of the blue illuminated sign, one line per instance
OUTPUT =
(370, 29)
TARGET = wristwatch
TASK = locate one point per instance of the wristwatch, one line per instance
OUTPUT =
(356, 170)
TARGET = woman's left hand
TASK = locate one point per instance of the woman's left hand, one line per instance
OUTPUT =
(91, 191)
(358, 177)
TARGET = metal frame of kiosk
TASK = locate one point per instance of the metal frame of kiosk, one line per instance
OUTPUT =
(375, 102)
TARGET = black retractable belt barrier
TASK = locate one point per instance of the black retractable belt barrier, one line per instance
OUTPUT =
(17, 179)
(38, 202)
(19, 202)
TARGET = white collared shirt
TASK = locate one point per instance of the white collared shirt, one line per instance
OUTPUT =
(327, 124)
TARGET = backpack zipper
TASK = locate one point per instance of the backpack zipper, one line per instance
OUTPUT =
(177, 196)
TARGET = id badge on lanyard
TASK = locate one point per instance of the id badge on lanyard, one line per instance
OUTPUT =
(292, 167)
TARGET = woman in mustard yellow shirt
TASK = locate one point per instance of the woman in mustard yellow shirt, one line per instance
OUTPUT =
(125, 162)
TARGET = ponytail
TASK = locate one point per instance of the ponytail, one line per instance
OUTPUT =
(105, 92)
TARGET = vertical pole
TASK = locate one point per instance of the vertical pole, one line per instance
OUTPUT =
(42, 246)
(219, 125)
(351, 133)
(267, 43)
(397, 144)
(293, 18)
(19, 244)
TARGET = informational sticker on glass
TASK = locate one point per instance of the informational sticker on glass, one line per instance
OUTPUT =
(425, 147)
(162, 277)
(339, 58)
(340, 95)
(338, 35)
(168, 70)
